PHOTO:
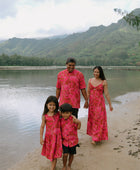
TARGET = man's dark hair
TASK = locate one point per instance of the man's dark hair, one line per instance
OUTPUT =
(71, 60)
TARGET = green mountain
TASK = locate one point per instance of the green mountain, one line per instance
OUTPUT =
(115, 43)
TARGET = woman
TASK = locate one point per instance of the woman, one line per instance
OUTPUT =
(97, 118)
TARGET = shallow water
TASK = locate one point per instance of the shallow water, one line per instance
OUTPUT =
(22, 98)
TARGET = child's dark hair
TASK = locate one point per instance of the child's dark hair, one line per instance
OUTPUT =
(65, 108)
(70, 60)
(51, 99)
(102, 76)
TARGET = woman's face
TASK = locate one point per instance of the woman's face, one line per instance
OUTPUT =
(96, 73)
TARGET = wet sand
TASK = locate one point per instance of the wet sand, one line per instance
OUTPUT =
(120, 152)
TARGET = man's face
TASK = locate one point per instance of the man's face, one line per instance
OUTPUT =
(70, 67)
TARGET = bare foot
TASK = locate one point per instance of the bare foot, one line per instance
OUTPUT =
(68, 168)
(64, 168)
(93, 142)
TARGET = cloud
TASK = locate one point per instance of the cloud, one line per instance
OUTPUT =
(60, 1)
(8, 8)
(56, 30)
(38, 18)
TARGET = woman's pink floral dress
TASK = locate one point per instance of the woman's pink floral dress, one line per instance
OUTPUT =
(52, 147)
(97, 118)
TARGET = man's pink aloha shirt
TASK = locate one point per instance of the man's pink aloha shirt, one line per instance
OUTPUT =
(70, 84)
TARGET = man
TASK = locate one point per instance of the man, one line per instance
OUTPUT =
(69, 83)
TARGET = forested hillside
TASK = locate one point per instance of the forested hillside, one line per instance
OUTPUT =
(116, 44)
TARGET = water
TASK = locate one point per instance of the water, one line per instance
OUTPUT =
(22, 98)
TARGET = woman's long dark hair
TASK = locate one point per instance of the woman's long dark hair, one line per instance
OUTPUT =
(101, 75)
(51, 99)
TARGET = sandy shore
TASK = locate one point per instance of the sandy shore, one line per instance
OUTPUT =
(120, 152)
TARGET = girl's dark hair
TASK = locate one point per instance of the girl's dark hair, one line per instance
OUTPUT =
(51, 99)
(65, 108)
(70, 60)
(102, 76)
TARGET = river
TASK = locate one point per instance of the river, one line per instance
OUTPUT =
(22, 97)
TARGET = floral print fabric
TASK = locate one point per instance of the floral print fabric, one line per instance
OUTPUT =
(70, 84)
(69, 132)
(52, 147)
(97, 119)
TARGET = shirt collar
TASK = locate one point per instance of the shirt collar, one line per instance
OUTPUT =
(70, 72)
(68, 118)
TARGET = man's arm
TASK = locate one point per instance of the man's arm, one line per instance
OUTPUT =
(57, 93)
(84, 93)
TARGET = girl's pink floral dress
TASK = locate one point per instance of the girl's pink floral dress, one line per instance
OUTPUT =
(52, 147)
(97, 119)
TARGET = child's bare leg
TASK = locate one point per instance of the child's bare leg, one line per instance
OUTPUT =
(65, 157)
(53, 164)
(71, 157)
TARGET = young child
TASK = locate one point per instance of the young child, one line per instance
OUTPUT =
(52, 144)
(69, 125)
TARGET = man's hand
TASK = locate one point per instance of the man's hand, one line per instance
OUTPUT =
(86, 104)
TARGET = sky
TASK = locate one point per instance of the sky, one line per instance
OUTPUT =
(45, 18)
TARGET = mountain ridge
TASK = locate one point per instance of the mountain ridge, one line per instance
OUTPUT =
(118, 41)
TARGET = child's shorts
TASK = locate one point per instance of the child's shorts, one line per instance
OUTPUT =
(70, 150)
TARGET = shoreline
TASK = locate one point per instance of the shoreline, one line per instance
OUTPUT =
(121, 151)
(60, 67)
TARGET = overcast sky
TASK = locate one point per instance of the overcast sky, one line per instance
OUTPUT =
(43, 18)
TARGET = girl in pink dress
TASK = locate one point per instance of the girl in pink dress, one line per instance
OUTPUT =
(97, 118)
(52, 143)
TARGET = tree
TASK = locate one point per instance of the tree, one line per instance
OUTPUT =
(132, 18)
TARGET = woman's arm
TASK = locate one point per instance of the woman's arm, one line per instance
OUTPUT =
(42, 130)
(107, 95)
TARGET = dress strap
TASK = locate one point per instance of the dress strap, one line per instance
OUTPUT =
(90, 80)
(103, 82)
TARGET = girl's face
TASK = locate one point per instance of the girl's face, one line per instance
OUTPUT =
(51, 106)
(96, 73)
(66, 115)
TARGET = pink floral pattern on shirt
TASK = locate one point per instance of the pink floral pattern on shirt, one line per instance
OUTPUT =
(97, 118)
(70, 85)
(69, 132)
(52, 147)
